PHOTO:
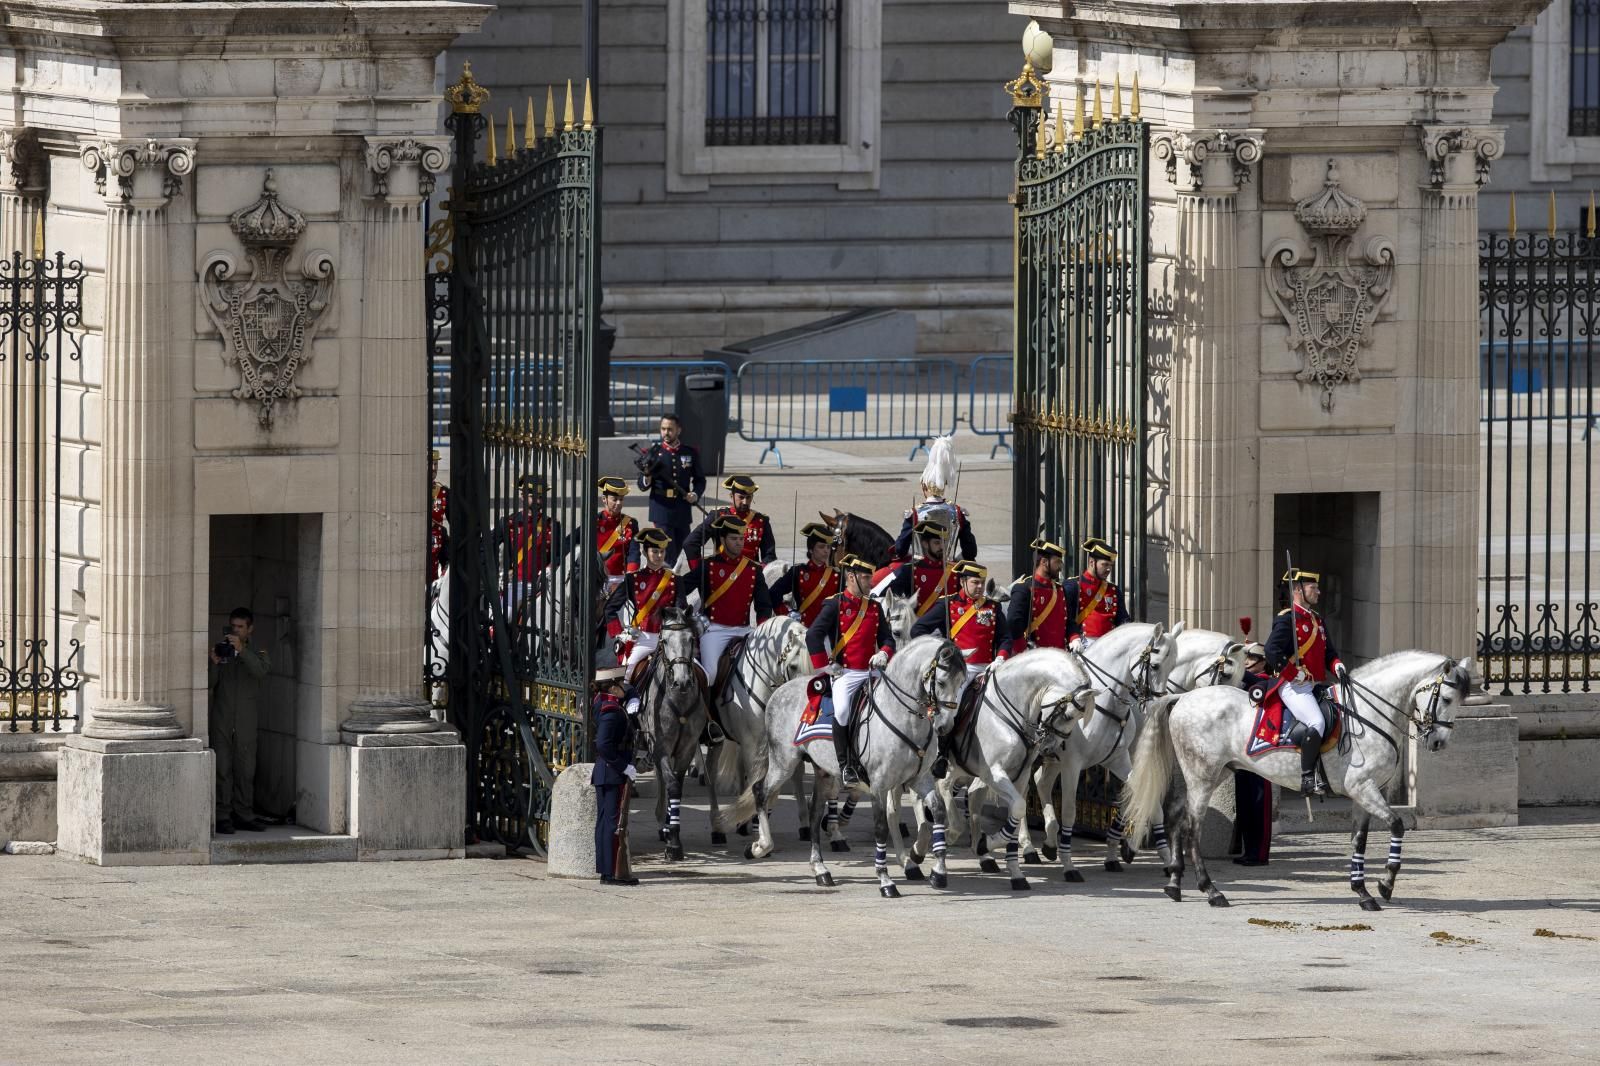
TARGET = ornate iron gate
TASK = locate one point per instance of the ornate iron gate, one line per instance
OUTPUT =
(1078, 394)
(1539, 295)
(524, 578)
(41, 301)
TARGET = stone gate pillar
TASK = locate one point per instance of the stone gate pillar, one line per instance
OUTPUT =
(1313, 236)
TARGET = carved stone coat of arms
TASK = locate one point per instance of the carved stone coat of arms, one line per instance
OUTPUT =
(1331, 303)
(268, 318)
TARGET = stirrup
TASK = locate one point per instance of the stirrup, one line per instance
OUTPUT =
(1312, 785)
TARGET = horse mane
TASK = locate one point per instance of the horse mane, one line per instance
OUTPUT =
(866, 538)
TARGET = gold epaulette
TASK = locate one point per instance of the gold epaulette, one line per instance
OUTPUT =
(1286, 610)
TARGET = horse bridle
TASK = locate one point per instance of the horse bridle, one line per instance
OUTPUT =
(1136, 695)
(1208, 676)
(1427, 721)
(928, 709)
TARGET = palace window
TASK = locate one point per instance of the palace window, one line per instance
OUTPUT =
(1583, 112)
(772, 71)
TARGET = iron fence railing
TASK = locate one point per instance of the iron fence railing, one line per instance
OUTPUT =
(989, 400)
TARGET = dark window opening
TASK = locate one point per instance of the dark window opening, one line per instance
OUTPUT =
(1583, 114)
(773, 72)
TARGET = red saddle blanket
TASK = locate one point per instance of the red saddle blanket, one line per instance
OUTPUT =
(1268, 734)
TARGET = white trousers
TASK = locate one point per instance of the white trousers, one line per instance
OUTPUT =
(973, 670)
(1085, 642)
(844, 690)
(712, 642)
(643, 645)
(1301, 699)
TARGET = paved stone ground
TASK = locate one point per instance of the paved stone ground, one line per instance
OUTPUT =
(717, 960)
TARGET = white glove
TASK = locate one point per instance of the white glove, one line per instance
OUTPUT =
(1074, 644)
(992, 664)
(632, 706)
(631, 771)
(631, 635)
(880, 659)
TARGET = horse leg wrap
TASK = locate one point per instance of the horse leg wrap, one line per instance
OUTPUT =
(1010, 833)
(938, 838)
(1114, 834)
(1358, 870)
(880, 858)
(1158, 834)
(831, 819)
(672, 813)
(1394, 853)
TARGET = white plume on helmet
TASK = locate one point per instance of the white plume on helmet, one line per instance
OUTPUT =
(940, 474)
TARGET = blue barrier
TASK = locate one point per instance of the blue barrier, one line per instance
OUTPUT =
(846, 399)
(989, 400)
(641, 389)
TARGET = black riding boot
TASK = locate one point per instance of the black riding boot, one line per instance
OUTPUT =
(941, 765)
(1310, 742)
(841, 748)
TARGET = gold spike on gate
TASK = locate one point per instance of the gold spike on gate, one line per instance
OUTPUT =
(566, 117)
(1591, 215)
(1099, 115)
(530, 132)
(511, 134)
(1077, 116)
(1551, 229)
(1511, 222)
(494, 154)
(1133, 112)
(38, 231)
(588, 106)
(549, 111)
(1116, 97)
(1061, 128)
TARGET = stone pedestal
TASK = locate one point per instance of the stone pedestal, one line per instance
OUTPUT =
(1472, 783)
(408, 797)
(573, 808)
(135, 802)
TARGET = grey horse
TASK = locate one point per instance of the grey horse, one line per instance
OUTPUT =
(673, 712)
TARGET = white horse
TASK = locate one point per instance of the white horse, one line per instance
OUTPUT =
(895, 736)
(1129, 665)
(1206, 657)
(1205, 734)
(1037, 700)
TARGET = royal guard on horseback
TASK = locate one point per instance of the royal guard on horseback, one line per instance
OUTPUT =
(1094, 602)
(1301, 654)
(646, 593)
(758, 544)
(670, 472)
(1037, 611)
(616, 539)
(527, 539)
(810, 583)
(851, 637)
(731, 586)
(930, 576)
(438, 521)
(977, 625)
(938, 477)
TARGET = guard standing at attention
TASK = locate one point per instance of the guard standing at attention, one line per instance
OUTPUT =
(671, 471)
(612, 779)
(1299, 651)
(758, 542)
(852, 635)
(1252, 794)
(1094, 602)
(1036, 614)
(811, 582)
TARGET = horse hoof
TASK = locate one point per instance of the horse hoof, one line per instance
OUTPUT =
(840, 845)
(750, 850)
(1370, 904)
(888, 892)
(1020, 884)
(1127, 852)
(914, 873)
(825, 880)
(916, 856)
(981, 845)
(674, 852)
(1174, 893)
(1113, 866)
(1219, 900)
(718, 837)
(989, 866)
(1031, 858)
(939, 880)
(1386, 890)
(1072, 876)
(662, 835)
(805, 832)
(1049, 852)
(743, 829)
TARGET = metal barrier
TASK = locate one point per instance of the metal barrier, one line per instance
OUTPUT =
(641, 389)
(989, 400)
(847, 399)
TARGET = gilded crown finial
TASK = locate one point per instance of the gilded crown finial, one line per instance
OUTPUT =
(466, 96)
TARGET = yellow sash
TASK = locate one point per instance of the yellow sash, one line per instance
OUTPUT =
(966, 617)
(1038, 619)
(936, 591)
(728, 582)
(822, 584)
(643, 610)
(1094, 601)
(611, 541)
(1310, 641)
(528, 541)
(844, 641)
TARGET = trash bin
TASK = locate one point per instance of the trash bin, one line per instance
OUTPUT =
(702, 405)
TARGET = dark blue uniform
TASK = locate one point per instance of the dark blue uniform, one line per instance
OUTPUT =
(613, 751)
(670, 474)
(1252, 800)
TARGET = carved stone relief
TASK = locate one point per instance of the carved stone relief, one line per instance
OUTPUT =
(1331, 303)
(267, 319)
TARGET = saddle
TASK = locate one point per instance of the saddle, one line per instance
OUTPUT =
(817, 719)
(1271, 730)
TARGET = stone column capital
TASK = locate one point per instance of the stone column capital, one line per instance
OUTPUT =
(406, 168)
(1452, 150)
(148, 172)
(23, 166)
(1219, 161)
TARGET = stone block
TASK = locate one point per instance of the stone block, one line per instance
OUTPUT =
(322, 786)
(409, 800)
(27, 810)
(1472, 783)
(135, 803)
(1556, 771)
(226, 424)
(573, 808)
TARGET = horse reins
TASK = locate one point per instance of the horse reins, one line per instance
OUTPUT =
(929, 710)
